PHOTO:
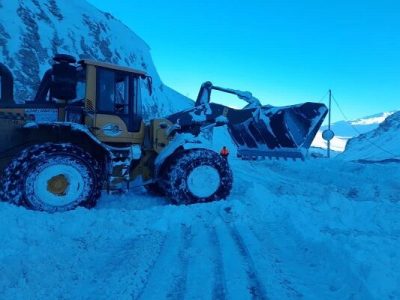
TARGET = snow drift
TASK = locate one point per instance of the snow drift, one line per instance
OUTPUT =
(382, 143)
(288, 231)
(345, 130)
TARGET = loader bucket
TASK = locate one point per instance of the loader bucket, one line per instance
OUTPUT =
(275, 131)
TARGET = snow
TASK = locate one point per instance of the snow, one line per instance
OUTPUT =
(222, 119)
(338, 143)
(320, 229)
(375, 119)
(380, 144)
(221, 138)
(345, 130)
(252, 101)
(198, 118)
(136, 152)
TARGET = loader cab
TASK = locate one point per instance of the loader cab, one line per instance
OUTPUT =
(114, 101)
(104, 97)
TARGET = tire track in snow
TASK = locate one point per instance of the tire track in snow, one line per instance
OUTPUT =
(279, 277)
(275, 263)
(239, 261)
(178, 290)
(202, 264)
(167, 278)
(219, 288)
(256, 287)
(151, 268)
(123, 262)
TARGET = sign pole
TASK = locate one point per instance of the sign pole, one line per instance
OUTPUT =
(328, 134)
(329, 122)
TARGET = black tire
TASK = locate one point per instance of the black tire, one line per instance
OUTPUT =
(181, 167)
(155, 189)
(23, 180)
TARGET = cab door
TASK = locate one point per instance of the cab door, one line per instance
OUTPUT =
(116, 101)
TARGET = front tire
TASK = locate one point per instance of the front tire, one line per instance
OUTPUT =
(197, 176)
(53, 178)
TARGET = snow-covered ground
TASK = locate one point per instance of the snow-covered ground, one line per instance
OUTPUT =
(338, 143)
(345, 130)
(320, 229)
(383, 143)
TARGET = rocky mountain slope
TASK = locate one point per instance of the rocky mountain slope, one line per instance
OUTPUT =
(32, 31)
(380, 144)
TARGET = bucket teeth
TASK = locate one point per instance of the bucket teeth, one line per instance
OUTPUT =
(278, 132)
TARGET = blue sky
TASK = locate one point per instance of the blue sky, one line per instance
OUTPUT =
(284, 52)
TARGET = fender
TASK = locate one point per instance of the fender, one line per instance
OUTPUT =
(72, 132)
(182, 141)
(69, 126)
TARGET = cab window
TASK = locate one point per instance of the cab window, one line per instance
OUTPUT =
(113, 92)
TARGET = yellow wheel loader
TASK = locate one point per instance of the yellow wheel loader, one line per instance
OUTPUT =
(84, 133)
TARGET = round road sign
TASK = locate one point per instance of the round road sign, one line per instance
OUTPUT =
(328, 134)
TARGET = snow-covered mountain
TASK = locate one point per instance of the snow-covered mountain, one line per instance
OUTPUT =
(369, 123)
(345, 130)
(379, 144)
(32, 31)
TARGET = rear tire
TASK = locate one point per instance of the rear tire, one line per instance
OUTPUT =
(197, 176)
(155, 189)
(53, 178)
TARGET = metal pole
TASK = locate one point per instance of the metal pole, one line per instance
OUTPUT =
(329, 122)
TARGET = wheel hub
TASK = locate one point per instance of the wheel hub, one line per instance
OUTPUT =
(203, 181)
(58, 185)
(58, 182)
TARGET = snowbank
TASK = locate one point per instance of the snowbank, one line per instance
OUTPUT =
(318, 229)
(338, 143)
(345, 130)
(380, 144)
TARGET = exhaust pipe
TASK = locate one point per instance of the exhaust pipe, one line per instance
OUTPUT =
(6, 86)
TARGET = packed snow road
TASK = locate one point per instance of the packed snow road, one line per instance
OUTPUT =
(304, 230)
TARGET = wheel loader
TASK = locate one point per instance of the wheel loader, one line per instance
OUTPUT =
(84, 133)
